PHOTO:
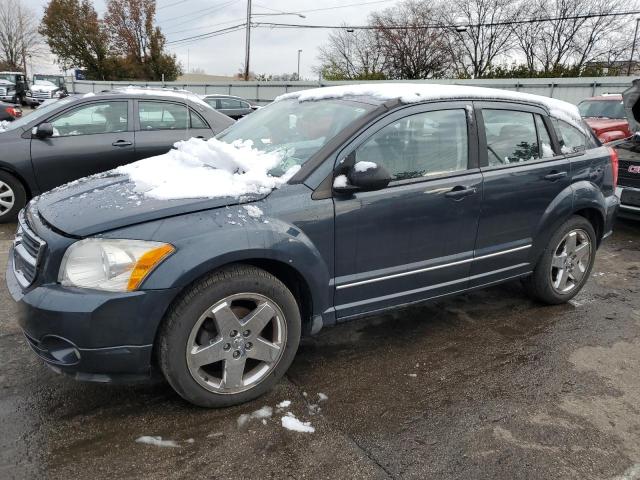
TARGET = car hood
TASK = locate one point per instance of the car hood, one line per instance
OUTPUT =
(606, 124)
(109, 201)
(44, 88)
(6, 83)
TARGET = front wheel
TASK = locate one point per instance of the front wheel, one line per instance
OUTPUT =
(12, 197)
(230, 338)
(566, 263)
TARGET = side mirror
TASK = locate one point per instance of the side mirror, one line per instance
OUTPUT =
(363, 177)
(44, 130)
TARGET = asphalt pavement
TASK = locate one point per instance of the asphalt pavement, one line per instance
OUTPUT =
(484, 385)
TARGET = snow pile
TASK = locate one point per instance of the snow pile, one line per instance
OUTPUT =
(290, 422)
(207, 169)
(3, 125)
(340, 181)
(253, 211)
(420, 92)
(156, 441)
(260, 414)
(364, 166)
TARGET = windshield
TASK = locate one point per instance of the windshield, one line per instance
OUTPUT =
(295, 129)
(602, 109)
(7, 77)
(39, 114)
(44, 78)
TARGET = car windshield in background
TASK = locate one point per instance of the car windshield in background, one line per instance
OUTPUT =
(602, 109)
(39, 114)
(295, 129)
(41, 78)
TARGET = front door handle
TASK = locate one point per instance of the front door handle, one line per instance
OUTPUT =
(460, 191)
(122, 143)
(555, 175)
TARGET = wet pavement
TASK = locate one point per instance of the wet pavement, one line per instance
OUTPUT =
(484, 385)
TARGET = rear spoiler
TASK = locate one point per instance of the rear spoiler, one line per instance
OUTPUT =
(631, 101)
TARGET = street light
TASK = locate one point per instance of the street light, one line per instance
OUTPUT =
(248, 35)
(299, 52)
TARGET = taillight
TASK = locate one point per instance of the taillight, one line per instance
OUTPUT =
(614, 165)
(14, 112)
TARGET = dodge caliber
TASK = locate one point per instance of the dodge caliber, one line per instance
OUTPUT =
(208, 263)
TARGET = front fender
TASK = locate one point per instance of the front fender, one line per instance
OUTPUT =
(206, 241)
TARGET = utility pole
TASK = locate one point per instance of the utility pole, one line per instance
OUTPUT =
(633, 48)
(248, 42)
(299, 52)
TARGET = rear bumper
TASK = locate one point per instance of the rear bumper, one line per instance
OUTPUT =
(612, 205)
(91, 335)
(628, 209)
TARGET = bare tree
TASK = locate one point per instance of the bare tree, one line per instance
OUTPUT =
(351, 55)
(410, 45)
(487, 36)
(19, 38)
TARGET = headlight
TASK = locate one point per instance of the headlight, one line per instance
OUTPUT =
(112, 265)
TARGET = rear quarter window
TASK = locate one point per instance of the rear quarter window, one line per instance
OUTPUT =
(571, 139)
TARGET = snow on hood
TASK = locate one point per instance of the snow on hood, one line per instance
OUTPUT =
(4, 124)
(206, 169)
(44, 86)
(5, 82)
(420, 92)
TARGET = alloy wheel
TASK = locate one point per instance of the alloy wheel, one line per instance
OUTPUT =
(571, 260)
(7, 198)
(236, 343)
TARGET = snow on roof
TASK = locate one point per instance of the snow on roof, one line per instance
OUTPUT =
(206, 169)
(168, 92)
(420, 92)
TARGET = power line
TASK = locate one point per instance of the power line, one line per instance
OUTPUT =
(446, 26)
(171, 4)
(173, 32)
(336, 7)
(199, 13)
(203, 36)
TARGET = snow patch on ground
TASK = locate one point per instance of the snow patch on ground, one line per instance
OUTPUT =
(364, 166)
(156, 441)
(419, 92)
(253, 211)
(290, 422)
(3, 125)
(206, 169)
(284, 404)
(260, 414)
(322, 397)
(340, 181)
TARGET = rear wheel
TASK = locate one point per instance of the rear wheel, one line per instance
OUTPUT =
(12, 197)
(566, 263)
(230, 338)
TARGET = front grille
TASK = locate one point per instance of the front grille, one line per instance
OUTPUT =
(3, 91)
(42, 95)
(28, 250)
(625, 177)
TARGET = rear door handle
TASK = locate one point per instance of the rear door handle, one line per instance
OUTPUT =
(460, 191)
(122, 143)
(555, 176)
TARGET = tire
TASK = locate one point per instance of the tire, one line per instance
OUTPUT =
(12, 197)
(199, 328)
(560, 273)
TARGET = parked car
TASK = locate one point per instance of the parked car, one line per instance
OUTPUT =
(606, 116)
(47, 88)
(81, 135)
(234, 107)
(388, 195)
(629, 154)
(13, 87)
(9, 112)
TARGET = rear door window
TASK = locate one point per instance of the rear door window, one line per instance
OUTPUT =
(512, 137)
(162, 116)
(571, 139)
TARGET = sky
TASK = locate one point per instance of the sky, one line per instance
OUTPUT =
(273, 51)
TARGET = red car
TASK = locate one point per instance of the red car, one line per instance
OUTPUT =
(606, 117)
(9, 111)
